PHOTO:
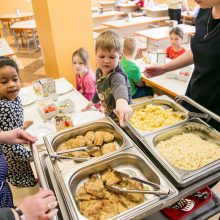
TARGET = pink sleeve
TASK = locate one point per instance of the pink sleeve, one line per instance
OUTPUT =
(88, 96)
(89, 85)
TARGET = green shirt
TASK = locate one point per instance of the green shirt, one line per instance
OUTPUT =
(133, 73)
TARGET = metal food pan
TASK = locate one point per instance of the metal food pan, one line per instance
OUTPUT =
(131, 162)
(194, 125)
(52, 141)
(161, 100)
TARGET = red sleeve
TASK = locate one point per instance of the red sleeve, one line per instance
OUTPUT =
(181, 52)
(168, 51)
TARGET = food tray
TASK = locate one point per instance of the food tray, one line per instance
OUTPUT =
(52, 141)
(160, 100)
(52, 110)
(184, 177)
(131, 161)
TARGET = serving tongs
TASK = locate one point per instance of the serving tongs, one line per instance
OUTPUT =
(159, 192)
(58, 155)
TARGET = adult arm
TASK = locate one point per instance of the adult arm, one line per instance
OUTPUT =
(16, 136)
(183, 60)
(40, 206)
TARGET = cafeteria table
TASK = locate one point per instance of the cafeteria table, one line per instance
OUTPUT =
(154, 35)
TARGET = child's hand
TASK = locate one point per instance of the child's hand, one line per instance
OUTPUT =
(123, 111)
(27, 124)
(90, 104)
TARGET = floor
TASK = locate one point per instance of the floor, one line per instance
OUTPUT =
(32, 68)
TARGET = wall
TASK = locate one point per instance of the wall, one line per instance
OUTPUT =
(12, 5)
(63, 28)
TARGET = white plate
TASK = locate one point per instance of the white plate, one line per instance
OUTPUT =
(40, 130)
(63, 86)
(27, 99)
(85, 117)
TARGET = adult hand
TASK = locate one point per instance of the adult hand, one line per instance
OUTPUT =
(90, 104)
(39, 206)
(16, 136)
(153, 71)
(123, 111)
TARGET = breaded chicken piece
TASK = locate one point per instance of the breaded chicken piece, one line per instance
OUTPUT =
(113, 196)
(132, 184)
(109, 209)
(82, 154)
(121, 208)
(99, 138)
(111, 178)
(82, 195)
(80, 141)
(108, 148)
(108, 137)
(95, 153)
(91, 209)
(95, 186)
(90, 137)
(127, 202)
(66, 145)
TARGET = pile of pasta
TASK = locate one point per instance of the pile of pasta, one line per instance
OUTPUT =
(152, 117)
(188, 151)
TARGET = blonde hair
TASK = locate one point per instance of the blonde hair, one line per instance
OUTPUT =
(109, 40)
(130, 46)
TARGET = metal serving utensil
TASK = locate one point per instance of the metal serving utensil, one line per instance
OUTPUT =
(160, 192)
(156, 186)
(58, 155)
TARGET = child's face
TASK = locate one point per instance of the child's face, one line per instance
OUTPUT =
(9, 83)
(107, 60)
(78, 65)
(175, 40)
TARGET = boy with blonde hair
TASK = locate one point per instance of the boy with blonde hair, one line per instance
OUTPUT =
(112, 86)
(138, 87)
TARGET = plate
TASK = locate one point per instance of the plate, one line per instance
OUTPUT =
(85, 117)
(63, 86)
(40, 130)
(27, 98)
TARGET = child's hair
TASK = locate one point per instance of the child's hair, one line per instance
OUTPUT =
(130, 45)
(83, 54)
(109, 40)
(178, 31)
(6, 61)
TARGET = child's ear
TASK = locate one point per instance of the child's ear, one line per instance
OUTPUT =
(120, 56)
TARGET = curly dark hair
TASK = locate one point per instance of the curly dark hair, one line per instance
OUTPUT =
(6, 61)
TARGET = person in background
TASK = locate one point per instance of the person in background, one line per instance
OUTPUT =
(138, 87)
(174, 9)
(175, 49)
(11, 116)
(112, 85)
(40, 206)
(85, 78)
(204, 53)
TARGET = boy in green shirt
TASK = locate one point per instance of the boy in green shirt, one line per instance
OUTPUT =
(138, 87)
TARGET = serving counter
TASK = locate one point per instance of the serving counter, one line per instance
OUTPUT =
(132, 157)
